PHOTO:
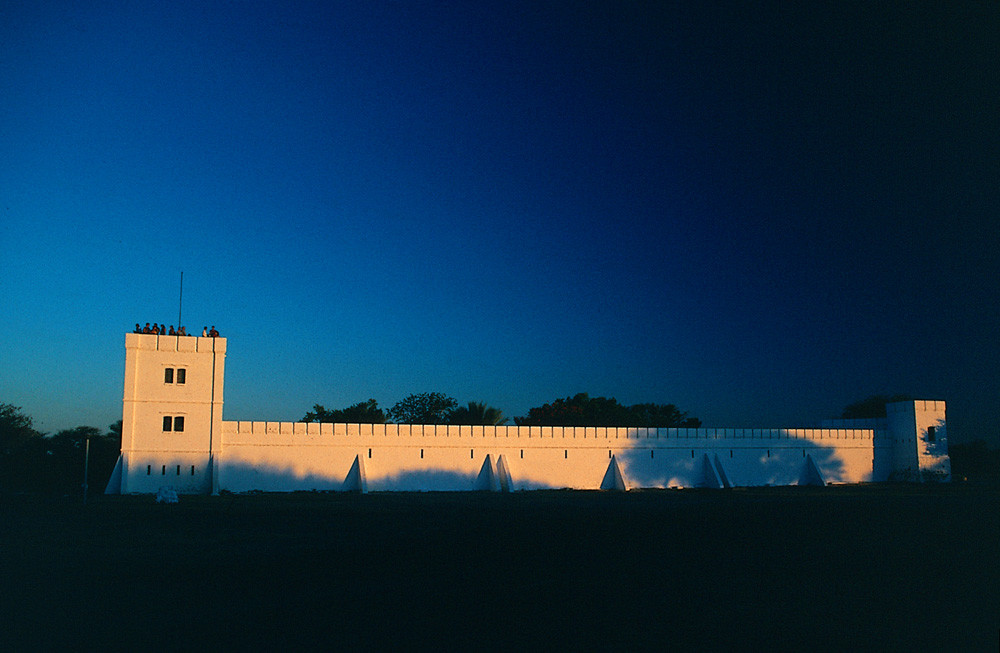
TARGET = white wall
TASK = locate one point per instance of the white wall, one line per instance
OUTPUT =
(283, 456)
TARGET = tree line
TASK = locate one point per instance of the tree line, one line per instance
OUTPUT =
(34, 461)
(438, 408)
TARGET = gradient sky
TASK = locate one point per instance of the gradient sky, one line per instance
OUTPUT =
(758, 213)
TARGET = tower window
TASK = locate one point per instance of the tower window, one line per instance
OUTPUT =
(178, 423)
(931, 433)
(168, 375)
(173, 423)
(181, 375)
(168, 423)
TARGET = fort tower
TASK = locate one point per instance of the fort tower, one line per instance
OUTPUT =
(172, 413)
(919, 434)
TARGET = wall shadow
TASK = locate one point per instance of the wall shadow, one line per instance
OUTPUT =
(935, 463)
(240, 477)
(739, 462)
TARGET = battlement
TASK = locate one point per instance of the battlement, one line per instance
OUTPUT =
(273, 432)
(194, 344)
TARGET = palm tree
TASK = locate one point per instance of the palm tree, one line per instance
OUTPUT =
(477, 412)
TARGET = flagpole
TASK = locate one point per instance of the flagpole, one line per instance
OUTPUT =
(180, 302)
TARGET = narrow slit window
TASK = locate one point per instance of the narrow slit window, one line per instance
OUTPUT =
(421, 453)
(181, 375)
(178, 423)
(565, 453)
(650, 453)
(692, 453)
(931, 433)
(369, 453)
(149, 470)
(472, 453)
(178, 470)
(730, 453)
(192, 470)
(522, 453)
(167, 423)
(163, 471)
(168, 375)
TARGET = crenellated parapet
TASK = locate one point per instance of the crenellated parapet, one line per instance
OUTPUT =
(266, 430)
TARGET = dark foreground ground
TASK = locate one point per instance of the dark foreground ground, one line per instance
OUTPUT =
(871, 568)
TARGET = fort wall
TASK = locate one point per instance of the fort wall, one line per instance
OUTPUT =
(268, 455)
(173, 435)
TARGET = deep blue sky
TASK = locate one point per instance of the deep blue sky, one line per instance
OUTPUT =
(757, 213)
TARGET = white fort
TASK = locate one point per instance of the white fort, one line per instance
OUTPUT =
(173, 436)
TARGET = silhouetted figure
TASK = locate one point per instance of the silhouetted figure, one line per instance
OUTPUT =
(156, 330)
(204, 332)
(181, 332)
(146, 328)
(138, 329)
(163, 329)
(171, 332)
(213, 333)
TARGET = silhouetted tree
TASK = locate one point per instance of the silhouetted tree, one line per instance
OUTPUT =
(15, 429)
(17, 448)
(60, 465)
(363, 412)
(104, 455)
(661, 415)
(872, 407)
(424, 408)
(319, 413)
(32, 461)
(584, 410)
(477, 413)
(974, 461)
